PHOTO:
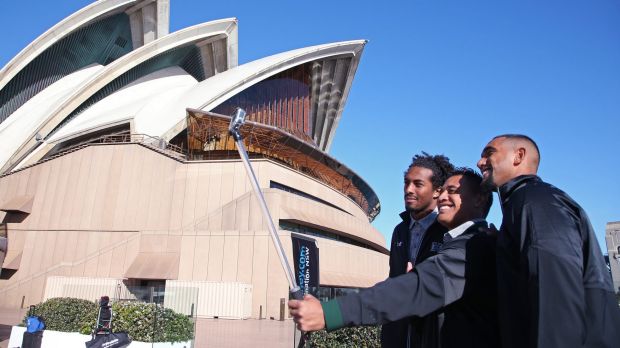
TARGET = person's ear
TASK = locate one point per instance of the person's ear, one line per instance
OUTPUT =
(437, 192)
(519, 156)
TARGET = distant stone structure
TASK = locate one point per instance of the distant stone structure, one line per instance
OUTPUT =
(612, 237)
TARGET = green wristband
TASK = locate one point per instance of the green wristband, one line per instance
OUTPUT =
(332, 314)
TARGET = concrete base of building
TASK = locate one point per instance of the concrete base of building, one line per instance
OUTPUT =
(5, 334)
(209, 332)
(244, 333)
(8, 318)
(12, 316)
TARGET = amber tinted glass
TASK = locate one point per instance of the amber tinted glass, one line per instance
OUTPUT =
(282, 100)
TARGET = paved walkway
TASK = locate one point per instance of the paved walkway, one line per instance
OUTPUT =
(210, 333)
(12, 316)
(221, 333)
(8, 318)
(5, 333)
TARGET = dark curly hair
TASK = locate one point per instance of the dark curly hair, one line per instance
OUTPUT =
(439, 164)
(476, 184)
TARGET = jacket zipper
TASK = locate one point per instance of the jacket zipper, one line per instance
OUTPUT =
(408, 335)
(499, 198)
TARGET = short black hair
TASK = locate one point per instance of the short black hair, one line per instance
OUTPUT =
(476, 180)
(520, 137)
(439, 164)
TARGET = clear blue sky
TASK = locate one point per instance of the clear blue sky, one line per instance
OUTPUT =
(438, 76)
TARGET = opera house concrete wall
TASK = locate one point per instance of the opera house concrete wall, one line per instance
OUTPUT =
(103, 177)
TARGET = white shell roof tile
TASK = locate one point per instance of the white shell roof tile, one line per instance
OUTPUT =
(29, 116)
(211, 92)
(125, 103)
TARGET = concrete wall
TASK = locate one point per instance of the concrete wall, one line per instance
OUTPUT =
(90, 289)
(95, 209)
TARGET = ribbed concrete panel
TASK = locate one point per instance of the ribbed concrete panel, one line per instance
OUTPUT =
(244, 261)
(186, 261)
(201, 258)
(216, 258)
(62, 185)
(260, 269)
(190, 197)
(126, 198)
(112, 189)
(277, 285)
(333, 100)
(149, 21)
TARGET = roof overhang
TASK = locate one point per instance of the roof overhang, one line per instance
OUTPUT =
(13, 263)
(347, 226)
(18, 204)
(151, 265)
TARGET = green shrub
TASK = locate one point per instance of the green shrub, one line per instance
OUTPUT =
(362, 336)
(148, 322)
(144, 322)
(68, 314)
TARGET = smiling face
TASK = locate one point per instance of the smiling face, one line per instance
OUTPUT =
(497, 163)
(420, 196)
(457, 202)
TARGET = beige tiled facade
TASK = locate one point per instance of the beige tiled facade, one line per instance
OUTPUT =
(95, 210)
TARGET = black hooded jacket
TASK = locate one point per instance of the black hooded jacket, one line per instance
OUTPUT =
(554, 288)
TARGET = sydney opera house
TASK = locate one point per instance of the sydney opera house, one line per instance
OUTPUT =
(116, 167)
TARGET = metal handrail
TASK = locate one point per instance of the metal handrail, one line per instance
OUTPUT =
(154, 143)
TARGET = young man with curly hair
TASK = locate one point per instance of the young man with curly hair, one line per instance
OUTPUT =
(419, 235)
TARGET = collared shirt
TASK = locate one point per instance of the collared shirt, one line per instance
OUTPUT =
(417, 229)
(457, 231)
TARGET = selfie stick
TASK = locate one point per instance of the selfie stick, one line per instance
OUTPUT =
(238, 118)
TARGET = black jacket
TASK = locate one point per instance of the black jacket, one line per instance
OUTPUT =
(553, 285)
(397, 334)
(459, 283)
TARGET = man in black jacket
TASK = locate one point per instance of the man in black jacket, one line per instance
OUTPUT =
(459, 283)
(418, 235)
(553, 286)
